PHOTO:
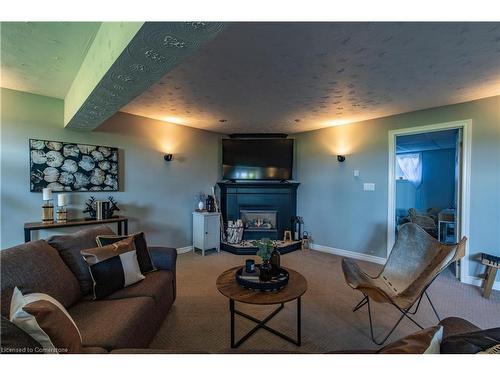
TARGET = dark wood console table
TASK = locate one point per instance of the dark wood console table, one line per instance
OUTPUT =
(121, 223)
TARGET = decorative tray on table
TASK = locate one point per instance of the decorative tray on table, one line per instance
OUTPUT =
(251, 280)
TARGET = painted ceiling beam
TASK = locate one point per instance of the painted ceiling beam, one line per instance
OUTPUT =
(124, 60)
(111, 40)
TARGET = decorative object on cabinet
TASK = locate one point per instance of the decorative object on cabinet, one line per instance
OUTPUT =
(209, 203)
(101, 209)
(48, 206)
(287, 236)
(63, 166)
(200, 198)
(62, 213)
(206, 231)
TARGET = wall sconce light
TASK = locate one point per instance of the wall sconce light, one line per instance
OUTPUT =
(340, 158)
(168, 157)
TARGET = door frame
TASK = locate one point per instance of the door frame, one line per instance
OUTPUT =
(464, 199)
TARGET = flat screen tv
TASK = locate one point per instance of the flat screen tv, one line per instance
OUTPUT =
(257, 159)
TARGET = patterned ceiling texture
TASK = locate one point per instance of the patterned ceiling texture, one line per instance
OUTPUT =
(292, 77)
(43, 57)
(155, 49)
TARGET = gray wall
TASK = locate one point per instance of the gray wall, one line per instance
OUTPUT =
(158, 196)
(338, 213)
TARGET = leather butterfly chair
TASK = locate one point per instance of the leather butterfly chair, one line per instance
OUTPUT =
(415, 261)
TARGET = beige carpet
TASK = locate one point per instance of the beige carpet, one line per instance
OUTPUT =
(199, 318)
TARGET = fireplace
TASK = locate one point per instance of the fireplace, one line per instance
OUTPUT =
(259, 220)
(266, 208)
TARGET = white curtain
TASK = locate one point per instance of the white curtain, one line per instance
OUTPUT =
(411, 165)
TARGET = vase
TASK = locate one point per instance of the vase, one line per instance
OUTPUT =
(201, 205)
(266, 271)
(275, 262)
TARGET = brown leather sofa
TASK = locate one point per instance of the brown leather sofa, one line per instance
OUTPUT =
(128, 318)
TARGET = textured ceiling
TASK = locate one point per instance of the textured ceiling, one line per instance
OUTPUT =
(291, 77)
(43, 57)
(154, 50)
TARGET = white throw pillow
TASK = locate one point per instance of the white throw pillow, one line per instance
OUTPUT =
(28, 323)
(435, 344)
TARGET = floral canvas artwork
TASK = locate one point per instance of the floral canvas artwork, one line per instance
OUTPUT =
(63, 166)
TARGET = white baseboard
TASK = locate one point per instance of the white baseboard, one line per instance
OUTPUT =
(471, 280)
(477, 281)
(348, 254)
(185, 249)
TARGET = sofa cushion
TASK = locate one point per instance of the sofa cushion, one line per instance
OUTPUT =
(119, 323)
(157, 285)
(453, 325)
(15, 341)
(165, 258)
(93, 350)
(426, 341)
(36, 267)
(472, 342)
(70, 245)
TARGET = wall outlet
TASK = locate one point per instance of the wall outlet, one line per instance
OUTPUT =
(356, 173)
(369, 186)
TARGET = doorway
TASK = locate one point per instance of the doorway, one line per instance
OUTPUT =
(429, 179)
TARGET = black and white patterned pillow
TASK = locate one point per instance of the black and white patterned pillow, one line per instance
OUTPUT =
(141, 247)
(113, 267)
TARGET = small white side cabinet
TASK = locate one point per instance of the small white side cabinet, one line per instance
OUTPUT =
(206, 231)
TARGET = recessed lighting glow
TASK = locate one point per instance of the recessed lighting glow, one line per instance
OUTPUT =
(337, 122)
(174, 120)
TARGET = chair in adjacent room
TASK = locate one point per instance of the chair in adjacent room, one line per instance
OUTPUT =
(426, 221)
(415, 261)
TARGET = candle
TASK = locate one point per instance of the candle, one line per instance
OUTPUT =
(62, 200)
(47, 194)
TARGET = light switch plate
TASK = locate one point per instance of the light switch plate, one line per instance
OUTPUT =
(356, 173)
(369, 186)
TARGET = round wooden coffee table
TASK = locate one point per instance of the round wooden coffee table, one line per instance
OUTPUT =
(229, 287)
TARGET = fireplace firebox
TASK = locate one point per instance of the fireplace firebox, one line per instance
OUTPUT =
(259, 220)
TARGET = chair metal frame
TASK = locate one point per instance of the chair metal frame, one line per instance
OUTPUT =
(404, 312)
(357, 279)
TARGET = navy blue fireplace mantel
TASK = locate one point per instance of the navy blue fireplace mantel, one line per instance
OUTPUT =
(266, 196)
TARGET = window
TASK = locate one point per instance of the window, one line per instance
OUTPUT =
(409, 167)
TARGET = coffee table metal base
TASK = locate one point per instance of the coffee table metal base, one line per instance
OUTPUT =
(262, 324)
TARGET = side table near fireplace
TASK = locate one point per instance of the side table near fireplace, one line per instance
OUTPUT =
(206, 231)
